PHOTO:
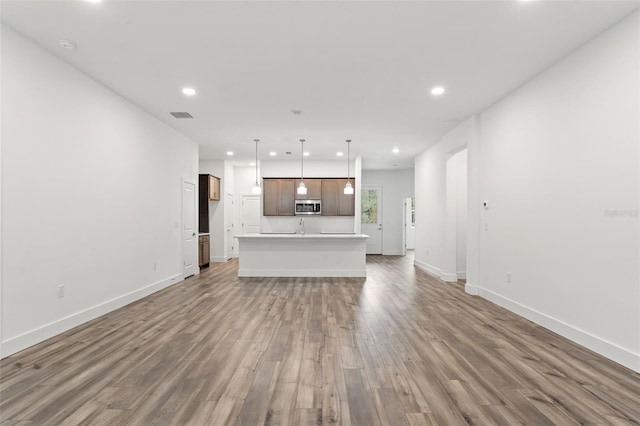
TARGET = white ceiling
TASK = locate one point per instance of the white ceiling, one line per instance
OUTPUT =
(358, 70)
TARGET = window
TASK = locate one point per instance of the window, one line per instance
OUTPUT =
(369, 206)
(413, 212)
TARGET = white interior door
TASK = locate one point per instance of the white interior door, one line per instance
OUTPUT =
(250, 214)
(229, 225)
(409, 220)
(189, 241)
(371, 200)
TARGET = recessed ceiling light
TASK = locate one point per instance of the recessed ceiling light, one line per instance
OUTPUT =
(189, 91)
(229, 153)
(437, 90)
(306, 154)
(67, 44)
(395, 150)
(94, 1)
(339, 153)
(272, 153)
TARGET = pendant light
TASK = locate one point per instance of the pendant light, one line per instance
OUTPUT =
(256, 187)
(348, 189)
(302, 189)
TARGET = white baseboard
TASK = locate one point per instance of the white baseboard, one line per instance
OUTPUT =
(40, 334)
(607, 349)
(219, 259)
(462, 275)
(435, 272)
(302, 273)
(448, 277)
(471, 289)
(429, 269)
(392, 253)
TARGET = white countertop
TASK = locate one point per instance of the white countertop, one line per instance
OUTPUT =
(332, 236)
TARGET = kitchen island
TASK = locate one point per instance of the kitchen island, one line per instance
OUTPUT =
(302, 255)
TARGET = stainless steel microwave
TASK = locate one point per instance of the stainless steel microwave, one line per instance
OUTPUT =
(304, 207)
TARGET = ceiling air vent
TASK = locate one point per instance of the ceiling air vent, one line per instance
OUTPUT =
(181, 115)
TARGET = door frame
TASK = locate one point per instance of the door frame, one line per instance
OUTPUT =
(229, 216)
(404, 227)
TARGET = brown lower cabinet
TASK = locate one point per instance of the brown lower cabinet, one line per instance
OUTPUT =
(203, 250)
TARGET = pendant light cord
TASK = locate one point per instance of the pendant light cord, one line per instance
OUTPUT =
(256, 141)
(348, 159)
(302, 162)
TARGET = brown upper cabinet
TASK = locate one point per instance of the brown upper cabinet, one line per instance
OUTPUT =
(314, 188)
(214, 188)
(278, 197)
(334, 201)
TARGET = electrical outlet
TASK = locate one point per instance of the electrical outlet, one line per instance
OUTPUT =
(155, 266)
(509, 277)
(60, 291)
(427, 252)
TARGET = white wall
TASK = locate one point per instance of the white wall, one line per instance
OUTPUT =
(91, 197)
(556, 156)
(396, 186)
(434, 252)
(558, 162)
(245, 177)
(312, 168)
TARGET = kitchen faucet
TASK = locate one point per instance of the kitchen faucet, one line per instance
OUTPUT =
(301, 226)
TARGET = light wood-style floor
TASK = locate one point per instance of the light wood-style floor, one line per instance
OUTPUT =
(399, 348)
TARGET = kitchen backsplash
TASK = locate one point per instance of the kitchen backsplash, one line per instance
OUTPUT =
(312, 224)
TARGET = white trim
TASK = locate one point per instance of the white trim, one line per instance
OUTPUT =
(393, 253)
(40, 334)
(429, 269)
(607, 349)
(448, 277)
(435, 272)
(219, 259)
(302, 273)
(471, 289)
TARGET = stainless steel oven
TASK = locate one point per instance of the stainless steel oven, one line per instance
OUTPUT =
(305, 207)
